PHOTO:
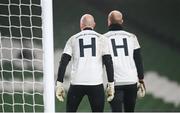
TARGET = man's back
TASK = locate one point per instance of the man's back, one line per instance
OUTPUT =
(88, 47)
(88, 51)
(128, 68)
(122, 45)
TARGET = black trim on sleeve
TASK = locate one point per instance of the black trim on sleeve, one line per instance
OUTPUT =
(65, 58)
(138, 62)
(107, 61)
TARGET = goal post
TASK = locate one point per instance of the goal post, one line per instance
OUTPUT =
(26, 56)
(47, 23)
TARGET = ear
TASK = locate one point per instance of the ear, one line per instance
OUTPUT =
(122, 21)
(109, 22)
(94, 25)
(81, 26)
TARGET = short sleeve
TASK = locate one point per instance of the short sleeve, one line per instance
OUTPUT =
(136, 43)
(68, 47)
(105, 46)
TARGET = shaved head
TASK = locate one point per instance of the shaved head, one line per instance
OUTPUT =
(115, 17)
(87, 20)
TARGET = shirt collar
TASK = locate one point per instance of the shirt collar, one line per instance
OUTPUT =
(114, 27)
(87, 28)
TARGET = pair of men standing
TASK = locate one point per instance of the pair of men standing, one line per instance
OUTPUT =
(118, 50)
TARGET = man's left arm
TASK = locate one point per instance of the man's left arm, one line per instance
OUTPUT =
(107, 61)
(65, 58)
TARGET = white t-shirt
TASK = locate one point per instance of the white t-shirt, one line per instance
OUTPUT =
(86, 49)
(122, 45)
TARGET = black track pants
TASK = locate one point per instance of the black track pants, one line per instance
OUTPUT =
(95, 95)
(124, 98)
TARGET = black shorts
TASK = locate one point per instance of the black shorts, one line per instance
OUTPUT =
(95, 95)
(124, 98)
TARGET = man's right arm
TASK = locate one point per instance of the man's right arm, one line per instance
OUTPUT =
(139, 66)
(138, 62)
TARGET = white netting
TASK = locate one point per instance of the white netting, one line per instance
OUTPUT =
(21, 75)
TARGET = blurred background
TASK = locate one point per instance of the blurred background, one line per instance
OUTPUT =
(155, 23)
(157, 26)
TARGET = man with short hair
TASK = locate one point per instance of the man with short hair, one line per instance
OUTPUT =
(89, 51)
(127, 62)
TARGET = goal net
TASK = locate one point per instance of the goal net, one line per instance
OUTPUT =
(21, 56)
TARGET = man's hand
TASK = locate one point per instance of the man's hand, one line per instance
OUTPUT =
(110, 91)
(60, 92)
(141, 89)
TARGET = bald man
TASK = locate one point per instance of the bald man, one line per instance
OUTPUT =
(128, 67)
(88, 51)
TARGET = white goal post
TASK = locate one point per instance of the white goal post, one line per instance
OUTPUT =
(26, 56)
(48, 69)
